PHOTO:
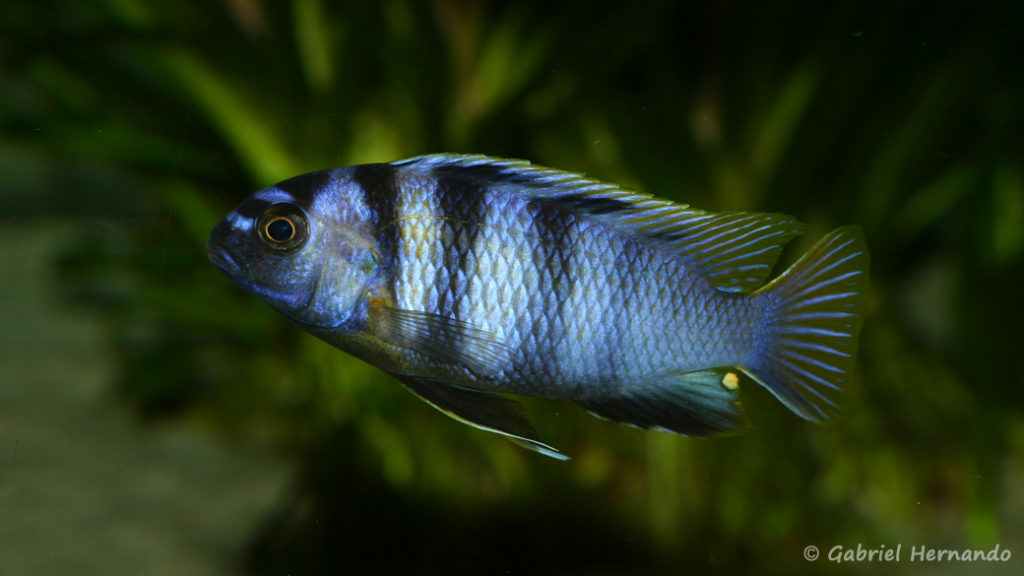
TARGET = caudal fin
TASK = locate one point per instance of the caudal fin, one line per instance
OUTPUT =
(816, 308)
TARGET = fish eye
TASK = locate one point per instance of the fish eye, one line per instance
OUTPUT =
(283, 227)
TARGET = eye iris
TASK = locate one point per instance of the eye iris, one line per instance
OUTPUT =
(280, 230)
(283, 228)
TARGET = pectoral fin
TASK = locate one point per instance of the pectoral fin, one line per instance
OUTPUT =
(482, 410)
(444, 339)
(703, 403)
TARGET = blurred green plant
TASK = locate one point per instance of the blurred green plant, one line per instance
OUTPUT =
(150, 120)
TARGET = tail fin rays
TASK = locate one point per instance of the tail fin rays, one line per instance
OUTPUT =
(817, 307)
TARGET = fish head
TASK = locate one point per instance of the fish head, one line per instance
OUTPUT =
(300, 247)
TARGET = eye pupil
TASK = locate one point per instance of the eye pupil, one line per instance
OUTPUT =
(280, 230)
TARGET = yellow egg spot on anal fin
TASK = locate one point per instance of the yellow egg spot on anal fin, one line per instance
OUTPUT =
(690, 403)
(731, 380)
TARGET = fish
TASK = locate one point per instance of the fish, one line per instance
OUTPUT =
(472, 280)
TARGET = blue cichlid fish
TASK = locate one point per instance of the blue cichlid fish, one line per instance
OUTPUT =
(468, 276)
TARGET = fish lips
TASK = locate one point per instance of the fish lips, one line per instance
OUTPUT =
(222, 259)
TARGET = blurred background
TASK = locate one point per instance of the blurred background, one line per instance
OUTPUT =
(155, 419)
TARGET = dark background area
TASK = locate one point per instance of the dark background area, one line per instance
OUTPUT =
(156, 419)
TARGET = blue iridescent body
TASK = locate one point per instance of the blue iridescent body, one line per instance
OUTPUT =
(467, 276)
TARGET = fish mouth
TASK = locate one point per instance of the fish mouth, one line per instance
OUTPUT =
(223, 260)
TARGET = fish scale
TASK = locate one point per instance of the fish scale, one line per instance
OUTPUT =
(566, 327)
(464, 276)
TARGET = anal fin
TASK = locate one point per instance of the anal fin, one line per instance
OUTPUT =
(482, 410)
(702, 403)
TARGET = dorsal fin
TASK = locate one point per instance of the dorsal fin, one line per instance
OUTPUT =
(735, 251)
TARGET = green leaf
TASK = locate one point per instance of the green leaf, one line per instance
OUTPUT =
(250, 135)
